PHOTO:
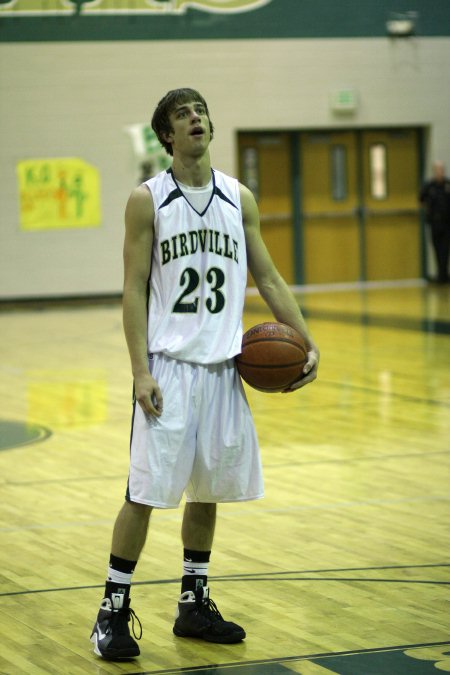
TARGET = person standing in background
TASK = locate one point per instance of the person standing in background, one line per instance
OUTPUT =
(435, 197)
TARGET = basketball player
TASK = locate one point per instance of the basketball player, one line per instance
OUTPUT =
(191, 231)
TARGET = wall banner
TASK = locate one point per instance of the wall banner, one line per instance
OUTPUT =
(102, 7)
(58, 194)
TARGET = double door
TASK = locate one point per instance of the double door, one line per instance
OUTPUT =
(337, 206)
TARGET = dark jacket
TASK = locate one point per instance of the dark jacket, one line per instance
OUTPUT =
(435, 196)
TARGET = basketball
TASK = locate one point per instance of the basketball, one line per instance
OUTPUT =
(272, 357)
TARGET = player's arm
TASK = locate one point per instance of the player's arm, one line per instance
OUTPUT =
(272, 286)
(139, 218)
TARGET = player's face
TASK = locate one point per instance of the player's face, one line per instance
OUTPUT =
(190, 129)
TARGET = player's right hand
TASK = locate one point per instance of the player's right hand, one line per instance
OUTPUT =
(148, 394)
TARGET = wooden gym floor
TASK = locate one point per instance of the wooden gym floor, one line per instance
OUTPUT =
(342, 568)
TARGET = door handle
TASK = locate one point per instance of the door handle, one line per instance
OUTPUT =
(330, 214)
(393, 212)
(265, 217)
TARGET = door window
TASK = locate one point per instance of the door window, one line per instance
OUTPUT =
(378, 171)
(339, 172)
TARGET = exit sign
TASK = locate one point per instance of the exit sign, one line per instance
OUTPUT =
(343, 100)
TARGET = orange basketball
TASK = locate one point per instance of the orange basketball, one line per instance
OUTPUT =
(272, 356)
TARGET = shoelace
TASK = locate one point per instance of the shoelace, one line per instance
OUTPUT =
(133, 617)
(123, 616)
(209, 608)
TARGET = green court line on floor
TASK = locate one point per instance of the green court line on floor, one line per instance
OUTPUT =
(373, 662)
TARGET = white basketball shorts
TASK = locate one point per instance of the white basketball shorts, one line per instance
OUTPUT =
(204, 444)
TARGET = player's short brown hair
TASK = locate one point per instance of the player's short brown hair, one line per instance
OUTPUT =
(160, 120)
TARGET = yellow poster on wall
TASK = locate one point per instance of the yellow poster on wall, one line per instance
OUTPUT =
(58, 194)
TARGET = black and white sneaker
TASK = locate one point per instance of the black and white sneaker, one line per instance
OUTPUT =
(197, 616)
(111, 634)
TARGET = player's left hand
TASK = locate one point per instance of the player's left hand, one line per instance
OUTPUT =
(309, 371)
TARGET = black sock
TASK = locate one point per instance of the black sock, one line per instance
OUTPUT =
(117, 587)
(195, 570)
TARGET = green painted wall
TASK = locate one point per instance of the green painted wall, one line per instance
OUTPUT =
(277, 19)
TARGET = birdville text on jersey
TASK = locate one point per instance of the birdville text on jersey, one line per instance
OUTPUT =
(186, 243)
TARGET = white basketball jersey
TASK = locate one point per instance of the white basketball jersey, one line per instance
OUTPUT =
(198, 274)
